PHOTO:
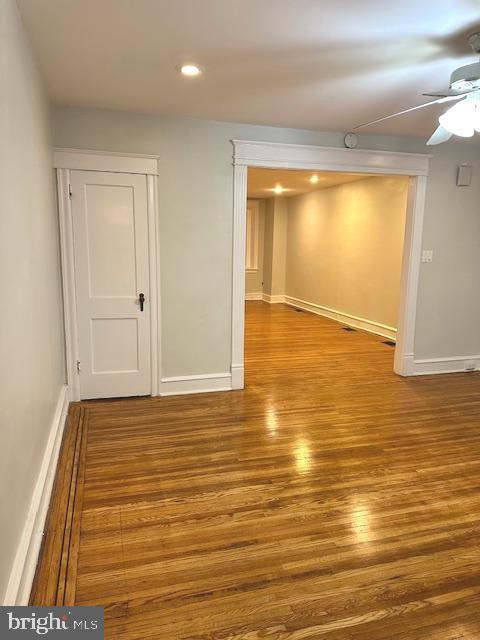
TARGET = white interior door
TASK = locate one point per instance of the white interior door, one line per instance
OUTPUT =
(110, 232)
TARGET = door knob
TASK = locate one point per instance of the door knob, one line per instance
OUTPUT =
(141, 299)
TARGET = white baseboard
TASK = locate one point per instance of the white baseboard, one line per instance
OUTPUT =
(344, 318)
(179, 385)
(276, 299)
(450, 364)
(254, 296)
(238, 376)
(26, 558)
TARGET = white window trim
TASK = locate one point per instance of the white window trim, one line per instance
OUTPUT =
(64, 161)
(272, 155)
(254, 206)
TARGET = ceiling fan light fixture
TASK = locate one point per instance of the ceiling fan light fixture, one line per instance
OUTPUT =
(476, 115)
(463, 119)
(459, 119)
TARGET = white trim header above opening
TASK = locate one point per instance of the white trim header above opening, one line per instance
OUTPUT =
(87, 160)
(297, 156)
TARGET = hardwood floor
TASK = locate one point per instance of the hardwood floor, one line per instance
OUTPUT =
(329, 499)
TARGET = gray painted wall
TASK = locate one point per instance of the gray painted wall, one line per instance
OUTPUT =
(345, 247)
(275, 250)
(195, 227)
(31, 337)
(254, 279)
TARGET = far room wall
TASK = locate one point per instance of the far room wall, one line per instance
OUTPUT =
(339, 249)
(254, 277)
(275, 251)
(344, 247)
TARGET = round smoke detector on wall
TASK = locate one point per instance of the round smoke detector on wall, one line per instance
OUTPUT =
(350, 141)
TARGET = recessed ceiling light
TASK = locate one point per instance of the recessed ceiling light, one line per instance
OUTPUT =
(314, 179)
(190, 70)
(278, 189)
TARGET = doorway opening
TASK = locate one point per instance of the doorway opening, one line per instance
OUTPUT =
(329, 246)
(270, 155)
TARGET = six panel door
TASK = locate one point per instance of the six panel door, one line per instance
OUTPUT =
(110, 229)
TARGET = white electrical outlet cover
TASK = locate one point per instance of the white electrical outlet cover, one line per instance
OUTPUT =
(427, 255)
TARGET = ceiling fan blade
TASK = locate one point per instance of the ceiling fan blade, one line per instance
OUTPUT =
(439, 135)
(450, 93)
(400, 113)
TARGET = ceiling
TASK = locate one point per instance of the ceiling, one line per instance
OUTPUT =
(261, 181)
(296, 63)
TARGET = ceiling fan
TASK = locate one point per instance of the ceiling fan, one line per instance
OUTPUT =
(463, 118)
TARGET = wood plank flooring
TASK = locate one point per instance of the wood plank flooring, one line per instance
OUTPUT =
(330, 499)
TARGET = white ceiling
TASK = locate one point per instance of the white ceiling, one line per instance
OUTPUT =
(300, 63)
(261, 182)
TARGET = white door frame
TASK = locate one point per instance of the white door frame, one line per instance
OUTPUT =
(274, 155)
(64, 161)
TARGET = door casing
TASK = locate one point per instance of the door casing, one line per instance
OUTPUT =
(65, 161)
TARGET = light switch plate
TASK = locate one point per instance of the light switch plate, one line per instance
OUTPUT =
(427, 255)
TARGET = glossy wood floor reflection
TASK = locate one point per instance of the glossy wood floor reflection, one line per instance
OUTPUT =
(330, 499)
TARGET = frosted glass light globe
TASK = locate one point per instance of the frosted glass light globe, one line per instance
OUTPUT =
(476, 117)
(459, 119)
